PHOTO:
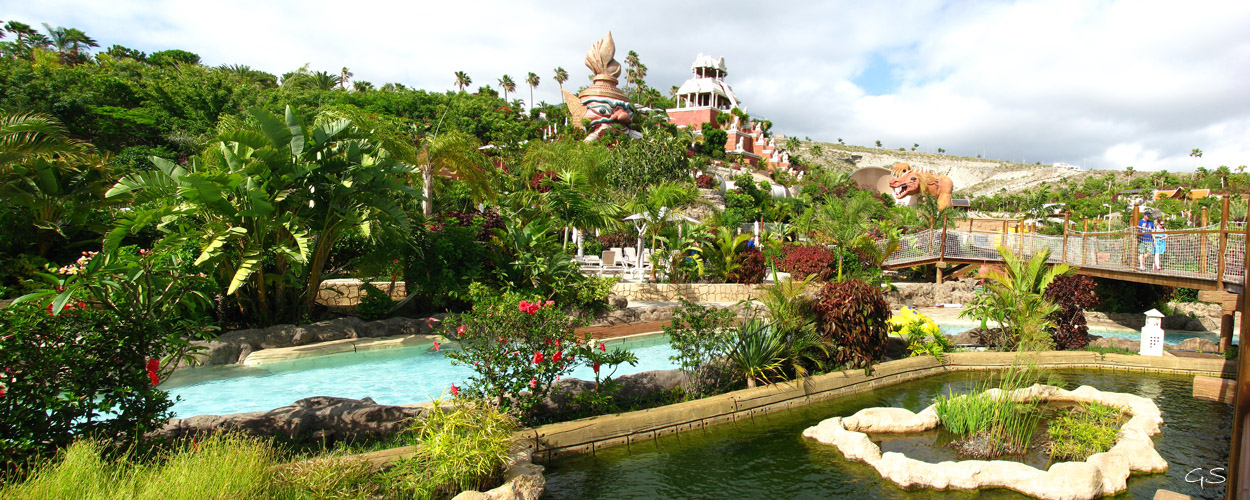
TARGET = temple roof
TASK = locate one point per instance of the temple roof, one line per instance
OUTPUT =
(706, 61)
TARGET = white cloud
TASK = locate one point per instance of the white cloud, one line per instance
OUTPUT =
(1106, 83)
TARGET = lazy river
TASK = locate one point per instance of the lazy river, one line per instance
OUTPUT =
(395, 376)
(767, 457)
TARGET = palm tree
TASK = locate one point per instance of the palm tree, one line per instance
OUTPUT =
(23, 31)
(1129, 170)
(323, 80)
(344, 76)
(507, 85)
(77, 38)
(59, 38)
(1223, 172)
(1196, 153)
(845, 224)
(48, 175)
(1014, 298)
(570, 203)
(561, 77)
(451, 152)
(463, 80)
(532, 80)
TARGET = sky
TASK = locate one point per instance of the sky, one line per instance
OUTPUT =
(1101, 84)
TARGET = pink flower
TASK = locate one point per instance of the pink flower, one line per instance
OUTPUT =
(551, 303)
(455, 391)
(436, 346)
(603, 347)
(523, 306)
(533, 383)
(538, 357)
(460, 331)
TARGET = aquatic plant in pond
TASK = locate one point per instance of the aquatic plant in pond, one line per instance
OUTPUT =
(989, 423)
(1083, 430)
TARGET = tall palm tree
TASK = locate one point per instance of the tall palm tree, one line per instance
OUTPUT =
(1129, 170)
(463, 80)
(344, 76)
(323, 80)
(1196, 153)
(532, 80)
(507, 85)
(59, 36)
(22, 30)
(48, 175)
(77, 40)
(451, 152)
(1223, 172)
(561, 77)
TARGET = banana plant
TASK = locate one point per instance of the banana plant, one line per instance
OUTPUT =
(267, 201)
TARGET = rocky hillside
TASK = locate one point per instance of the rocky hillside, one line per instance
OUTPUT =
(972, 176)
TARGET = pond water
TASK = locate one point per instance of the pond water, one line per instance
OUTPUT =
(767, 457)
(396, 376)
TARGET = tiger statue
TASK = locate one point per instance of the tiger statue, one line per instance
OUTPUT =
(907, 182)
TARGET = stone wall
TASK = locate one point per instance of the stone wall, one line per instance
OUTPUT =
(343, 295)
(695, 292)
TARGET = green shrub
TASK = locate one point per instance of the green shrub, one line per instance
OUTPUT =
(375, 305)
(518, 348)
(701, 337)
(1083, 430)
(71, 374)
(460, 447)
(992, 426)
(1110, 350)
(853, 315)
(1126, 297)
(591, 293)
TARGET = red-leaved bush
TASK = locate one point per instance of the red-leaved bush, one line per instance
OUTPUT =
(750, 268)
(853, 315)
(617, 240)
(1073, 295)
(704, 181)
(802, 260)
(537, 181)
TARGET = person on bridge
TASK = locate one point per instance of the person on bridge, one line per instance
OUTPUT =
(1161, 245)
(1145, 240)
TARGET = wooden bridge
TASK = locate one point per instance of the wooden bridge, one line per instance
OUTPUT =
(1211, 259)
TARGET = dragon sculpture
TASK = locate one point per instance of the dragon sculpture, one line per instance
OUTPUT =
(601, 104)
(907, 182)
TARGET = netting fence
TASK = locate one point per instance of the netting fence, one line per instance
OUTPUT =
(1192, 253)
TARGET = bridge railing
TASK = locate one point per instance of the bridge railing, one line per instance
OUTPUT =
(1215, 252)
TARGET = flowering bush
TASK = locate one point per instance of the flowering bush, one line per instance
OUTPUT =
(80, 371)
(922, 333)
(519, 348)
(802, 260)
(750, 270)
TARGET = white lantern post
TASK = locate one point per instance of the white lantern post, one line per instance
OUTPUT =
(1152, 334)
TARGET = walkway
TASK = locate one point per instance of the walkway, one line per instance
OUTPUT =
(1209, 258)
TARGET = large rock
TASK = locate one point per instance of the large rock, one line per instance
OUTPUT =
(891, 420)
(1198, 345)
(522, 480)
(633, 387)
(312, 420)
(234, 346)
(927, 294)
(1119, 342)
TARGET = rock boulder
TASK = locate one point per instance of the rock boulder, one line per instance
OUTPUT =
(312, 420)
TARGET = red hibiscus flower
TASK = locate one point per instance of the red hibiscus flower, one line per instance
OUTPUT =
(460, 331)
(533, 383)
(154, 367)
(596, 368)
(555, 358)
(455, 391)
(538, 357)
(436, 346)
(603, 347)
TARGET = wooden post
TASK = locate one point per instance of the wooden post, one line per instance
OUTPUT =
(1219, 261)
(1019, 237)
(1064, 258)
(942, 247)
(1002, 242)
(1202, 244)
(1238, 473)
(1085, 243)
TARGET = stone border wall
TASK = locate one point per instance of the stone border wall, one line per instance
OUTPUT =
(343, 295)
(587, 435)
(695, 292)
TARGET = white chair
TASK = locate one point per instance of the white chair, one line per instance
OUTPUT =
(609, 265)
(631, 256)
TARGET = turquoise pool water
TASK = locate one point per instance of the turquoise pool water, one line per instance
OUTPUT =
(393, 376)
(1170, 337)
(390, 376)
